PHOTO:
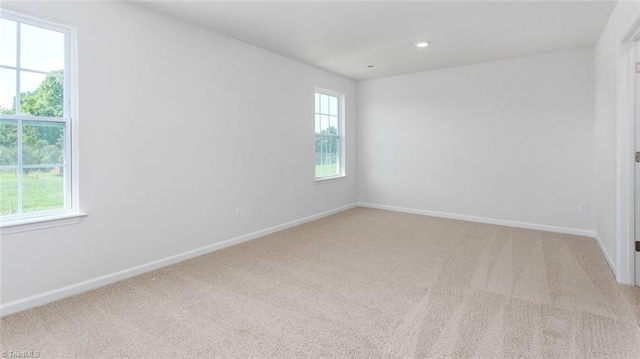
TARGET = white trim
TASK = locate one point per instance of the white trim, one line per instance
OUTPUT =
(35, 20)
(625, 148)
(329, 178)
(605, 254)
(72, 107)
(499, 222)
(37, 223)
(73, 289)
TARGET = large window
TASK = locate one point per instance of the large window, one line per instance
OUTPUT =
(36, 119)
(329, 134)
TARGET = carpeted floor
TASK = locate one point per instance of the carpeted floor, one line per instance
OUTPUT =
(363, 283)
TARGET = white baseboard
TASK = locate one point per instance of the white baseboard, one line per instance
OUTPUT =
(499, 222)
(73, 289)
(606, 255)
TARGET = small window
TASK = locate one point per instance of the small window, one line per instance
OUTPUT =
(329, 134)
(36, 119)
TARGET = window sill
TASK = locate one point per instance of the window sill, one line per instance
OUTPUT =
(325, 179)
(34, 224)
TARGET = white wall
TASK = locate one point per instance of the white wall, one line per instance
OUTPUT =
(606, 60)
(509, 140)
(178, 126)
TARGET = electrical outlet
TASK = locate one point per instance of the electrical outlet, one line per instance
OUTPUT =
(238, 212)
(583, 208)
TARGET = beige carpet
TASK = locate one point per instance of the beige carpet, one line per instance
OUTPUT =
(360, 284)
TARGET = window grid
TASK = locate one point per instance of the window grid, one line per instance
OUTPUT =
(28, 119)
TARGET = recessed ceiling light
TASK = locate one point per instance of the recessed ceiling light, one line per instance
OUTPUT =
(422, 44)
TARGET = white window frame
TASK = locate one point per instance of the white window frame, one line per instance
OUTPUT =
(341, 134)
(48, 218)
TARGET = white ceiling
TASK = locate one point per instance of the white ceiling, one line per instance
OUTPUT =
(345, 37)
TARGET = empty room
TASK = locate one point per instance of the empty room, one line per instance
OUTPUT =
(320, 179)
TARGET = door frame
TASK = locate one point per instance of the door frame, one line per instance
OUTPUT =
(625, 163)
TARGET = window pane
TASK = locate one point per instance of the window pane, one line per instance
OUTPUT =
(7, 91)
(41, 95)
(319, 165)
(324, 104)
(331, 167)
(8, 142)
(333, 105)
(317, 124)
(42, 143)
(41, 49)
(333, 149)
(326, 156)
(8, 40)
(42, 189)
(324, 124)
(320, 156)
(8, 192)
(318, 151)
(333, 125)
